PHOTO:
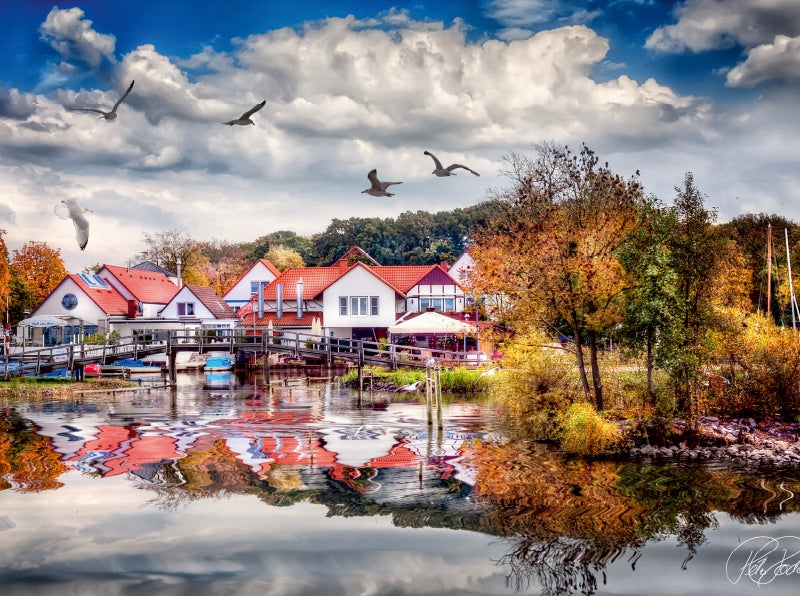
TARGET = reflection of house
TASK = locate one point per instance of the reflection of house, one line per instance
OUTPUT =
(354, 298)
(260, 274)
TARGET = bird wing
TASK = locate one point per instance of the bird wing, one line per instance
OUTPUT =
(458, 165)
(89, 110)
(253, 110)
(373, 178)
(385, 185)
(121, 99)
(436, 162)
(80, 222)
(62, 210)
(81, 230)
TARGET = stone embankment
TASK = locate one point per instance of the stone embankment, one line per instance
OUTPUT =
(736, 441)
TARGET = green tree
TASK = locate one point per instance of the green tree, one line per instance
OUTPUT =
(696, 250)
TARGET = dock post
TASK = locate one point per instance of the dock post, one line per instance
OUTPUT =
(439, 422)
(171, 364)
(429, 395)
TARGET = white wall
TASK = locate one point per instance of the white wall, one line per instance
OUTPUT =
(170, 311)
(358, 282)
(86, 309)
(240, 293)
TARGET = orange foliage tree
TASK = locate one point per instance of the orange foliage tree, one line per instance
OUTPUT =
(553, 252)
(39, 267)
(5, 267)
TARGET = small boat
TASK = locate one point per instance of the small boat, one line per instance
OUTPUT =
(218, 363)
(93, 370)
(137, 367)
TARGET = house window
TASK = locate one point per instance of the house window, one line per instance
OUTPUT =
(254, 286)
(438, 304)
(185, 309)
(358, 306)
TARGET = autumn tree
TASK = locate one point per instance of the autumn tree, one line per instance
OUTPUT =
(5, 268)
(166, 249)
(284, 258)
(553, 252)
(39, 267)
(224, 264)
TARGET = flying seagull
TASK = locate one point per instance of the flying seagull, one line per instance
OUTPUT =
(448, 171)
(69, 209)
(244, 119)
(113, 113)
(378, 188)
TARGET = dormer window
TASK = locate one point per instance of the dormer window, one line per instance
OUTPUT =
(185, 309)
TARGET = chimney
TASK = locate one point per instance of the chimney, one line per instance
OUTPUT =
(131, 309)
(260, 300)
(300, 298)
(279, 298)
(180, 279)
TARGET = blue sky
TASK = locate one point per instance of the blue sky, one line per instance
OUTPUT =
(708, 86)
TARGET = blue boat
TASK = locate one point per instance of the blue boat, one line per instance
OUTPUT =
(218, 363)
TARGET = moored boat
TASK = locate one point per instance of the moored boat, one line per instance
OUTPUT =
(218, 363)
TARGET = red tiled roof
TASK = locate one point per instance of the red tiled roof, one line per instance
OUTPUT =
(146, 286)
(403, 277)
(212, 301)
(109, 300)
(315, 280)
(289, 319)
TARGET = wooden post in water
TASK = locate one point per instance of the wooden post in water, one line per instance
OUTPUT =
(429, 394)
(439, 422)
(171, 365)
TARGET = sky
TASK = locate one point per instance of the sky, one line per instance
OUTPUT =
(664, 88)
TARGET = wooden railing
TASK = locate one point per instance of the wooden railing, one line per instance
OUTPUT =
(298, 345)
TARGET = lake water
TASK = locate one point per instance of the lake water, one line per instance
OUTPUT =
(231, 485)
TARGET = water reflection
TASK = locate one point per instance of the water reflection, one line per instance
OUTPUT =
(554, 524)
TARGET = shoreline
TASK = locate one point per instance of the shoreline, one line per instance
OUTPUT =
(740, 441)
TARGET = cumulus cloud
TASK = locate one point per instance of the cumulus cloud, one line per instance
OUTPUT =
(777, 60)
(710, 24)
(72, 36)
(343, 96)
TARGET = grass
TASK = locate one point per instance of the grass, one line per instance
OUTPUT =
(455, 380)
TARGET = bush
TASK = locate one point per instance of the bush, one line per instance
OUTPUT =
(582, 430)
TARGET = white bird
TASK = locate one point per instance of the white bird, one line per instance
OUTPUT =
(244, 119)
(448, 171)
(69, 209)
(113, 113)
(489, 373)
(410, 387)
(378, 188)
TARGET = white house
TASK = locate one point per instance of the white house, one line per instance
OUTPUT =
(200, 307)
(261, 273)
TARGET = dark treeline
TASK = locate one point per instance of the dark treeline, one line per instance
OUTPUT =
(412, 238)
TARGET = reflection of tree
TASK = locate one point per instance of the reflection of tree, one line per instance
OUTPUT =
(570, 517)
(26, 458)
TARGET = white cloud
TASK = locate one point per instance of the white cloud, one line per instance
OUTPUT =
(343, 96)
(777, 60)
(710, 24)
(72, 36)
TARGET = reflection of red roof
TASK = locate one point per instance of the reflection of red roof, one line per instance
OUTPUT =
(108, 439)
(399, 456)
(293, 451)
(147, 449)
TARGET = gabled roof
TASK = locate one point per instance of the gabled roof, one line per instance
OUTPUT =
(145, 286)
(153, 268)
(405, 277)
(212, 301)
(356, 254)
(264, 262)
(108, 299)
